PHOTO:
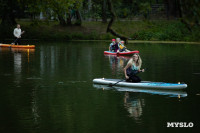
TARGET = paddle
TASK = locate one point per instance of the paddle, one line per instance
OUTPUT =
(17, 38)
(111, 85)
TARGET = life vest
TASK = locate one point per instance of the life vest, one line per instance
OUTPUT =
(121, 46)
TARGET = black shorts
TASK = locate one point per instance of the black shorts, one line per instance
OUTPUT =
(17, 41)
(132, 75)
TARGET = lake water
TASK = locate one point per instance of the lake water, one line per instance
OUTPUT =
(50, 89)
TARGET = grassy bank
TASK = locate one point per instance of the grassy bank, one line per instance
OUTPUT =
(138, 30)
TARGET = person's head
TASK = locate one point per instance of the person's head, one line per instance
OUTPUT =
(136, 59)
(135, 56)
(113, 40)
(18, 25)
(122, 42)
(117, 40)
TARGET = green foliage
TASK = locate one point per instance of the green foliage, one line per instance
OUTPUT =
(58, 7)
(173, 31)
(33, 6)
(51, 8)
(107, 36)
(145, 8)
(190, 11)
(139, 30)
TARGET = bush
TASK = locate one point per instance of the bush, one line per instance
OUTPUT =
(139, 30)
(166, 30)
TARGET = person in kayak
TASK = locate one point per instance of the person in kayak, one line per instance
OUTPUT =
(112, 45)
(117, 44)
(133, 68)
(17, 34)
(122, 48)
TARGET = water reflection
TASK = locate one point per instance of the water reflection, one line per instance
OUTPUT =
(20, 58)
(17, 66)
(70, 61)
(35, 106)
(169, 93)
(133, 105)
(117, 63)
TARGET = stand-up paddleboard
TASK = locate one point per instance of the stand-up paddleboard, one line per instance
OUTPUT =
(17, 46)
(179, 93)
(121, 53)
(143, 84)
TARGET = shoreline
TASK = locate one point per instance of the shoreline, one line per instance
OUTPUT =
(141, 32)
(130, 41)
(140, 41)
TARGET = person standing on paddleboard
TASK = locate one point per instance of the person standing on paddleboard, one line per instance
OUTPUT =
(133, 68)
(17, 34)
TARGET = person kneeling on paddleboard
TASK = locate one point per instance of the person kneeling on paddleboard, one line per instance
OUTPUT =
(112, 46)
(133, 68)
(122, 48)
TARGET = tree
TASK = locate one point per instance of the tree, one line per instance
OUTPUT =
(109, 27)
(190, 13)
(172, 8)
(7, 12)
(104, 18)
(60, 9)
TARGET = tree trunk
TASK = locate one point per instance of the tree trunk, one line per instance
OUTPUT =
(104, 18)
(8, 18)
(89, 5)
(89, 10)
(109, 27)
(61, 20)
(172, 8)
(183, 16)
(179, 8)
(69, 21)
(78, 17)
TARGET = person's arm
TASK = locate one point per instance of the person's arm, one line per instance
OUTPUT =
(22, 32)
(118, 45)
(127, 66)
(110, 46)
(141, 70)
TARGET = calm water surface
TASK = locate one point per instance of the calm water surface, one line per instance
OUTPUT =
(50, 89)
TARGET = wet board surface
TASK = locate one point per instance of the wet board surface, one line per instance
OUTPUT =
(121, 53)
(143, 84)
(17, 46)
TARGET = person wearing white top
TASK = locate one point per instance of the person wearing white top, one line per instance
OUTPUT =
(17, 34)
